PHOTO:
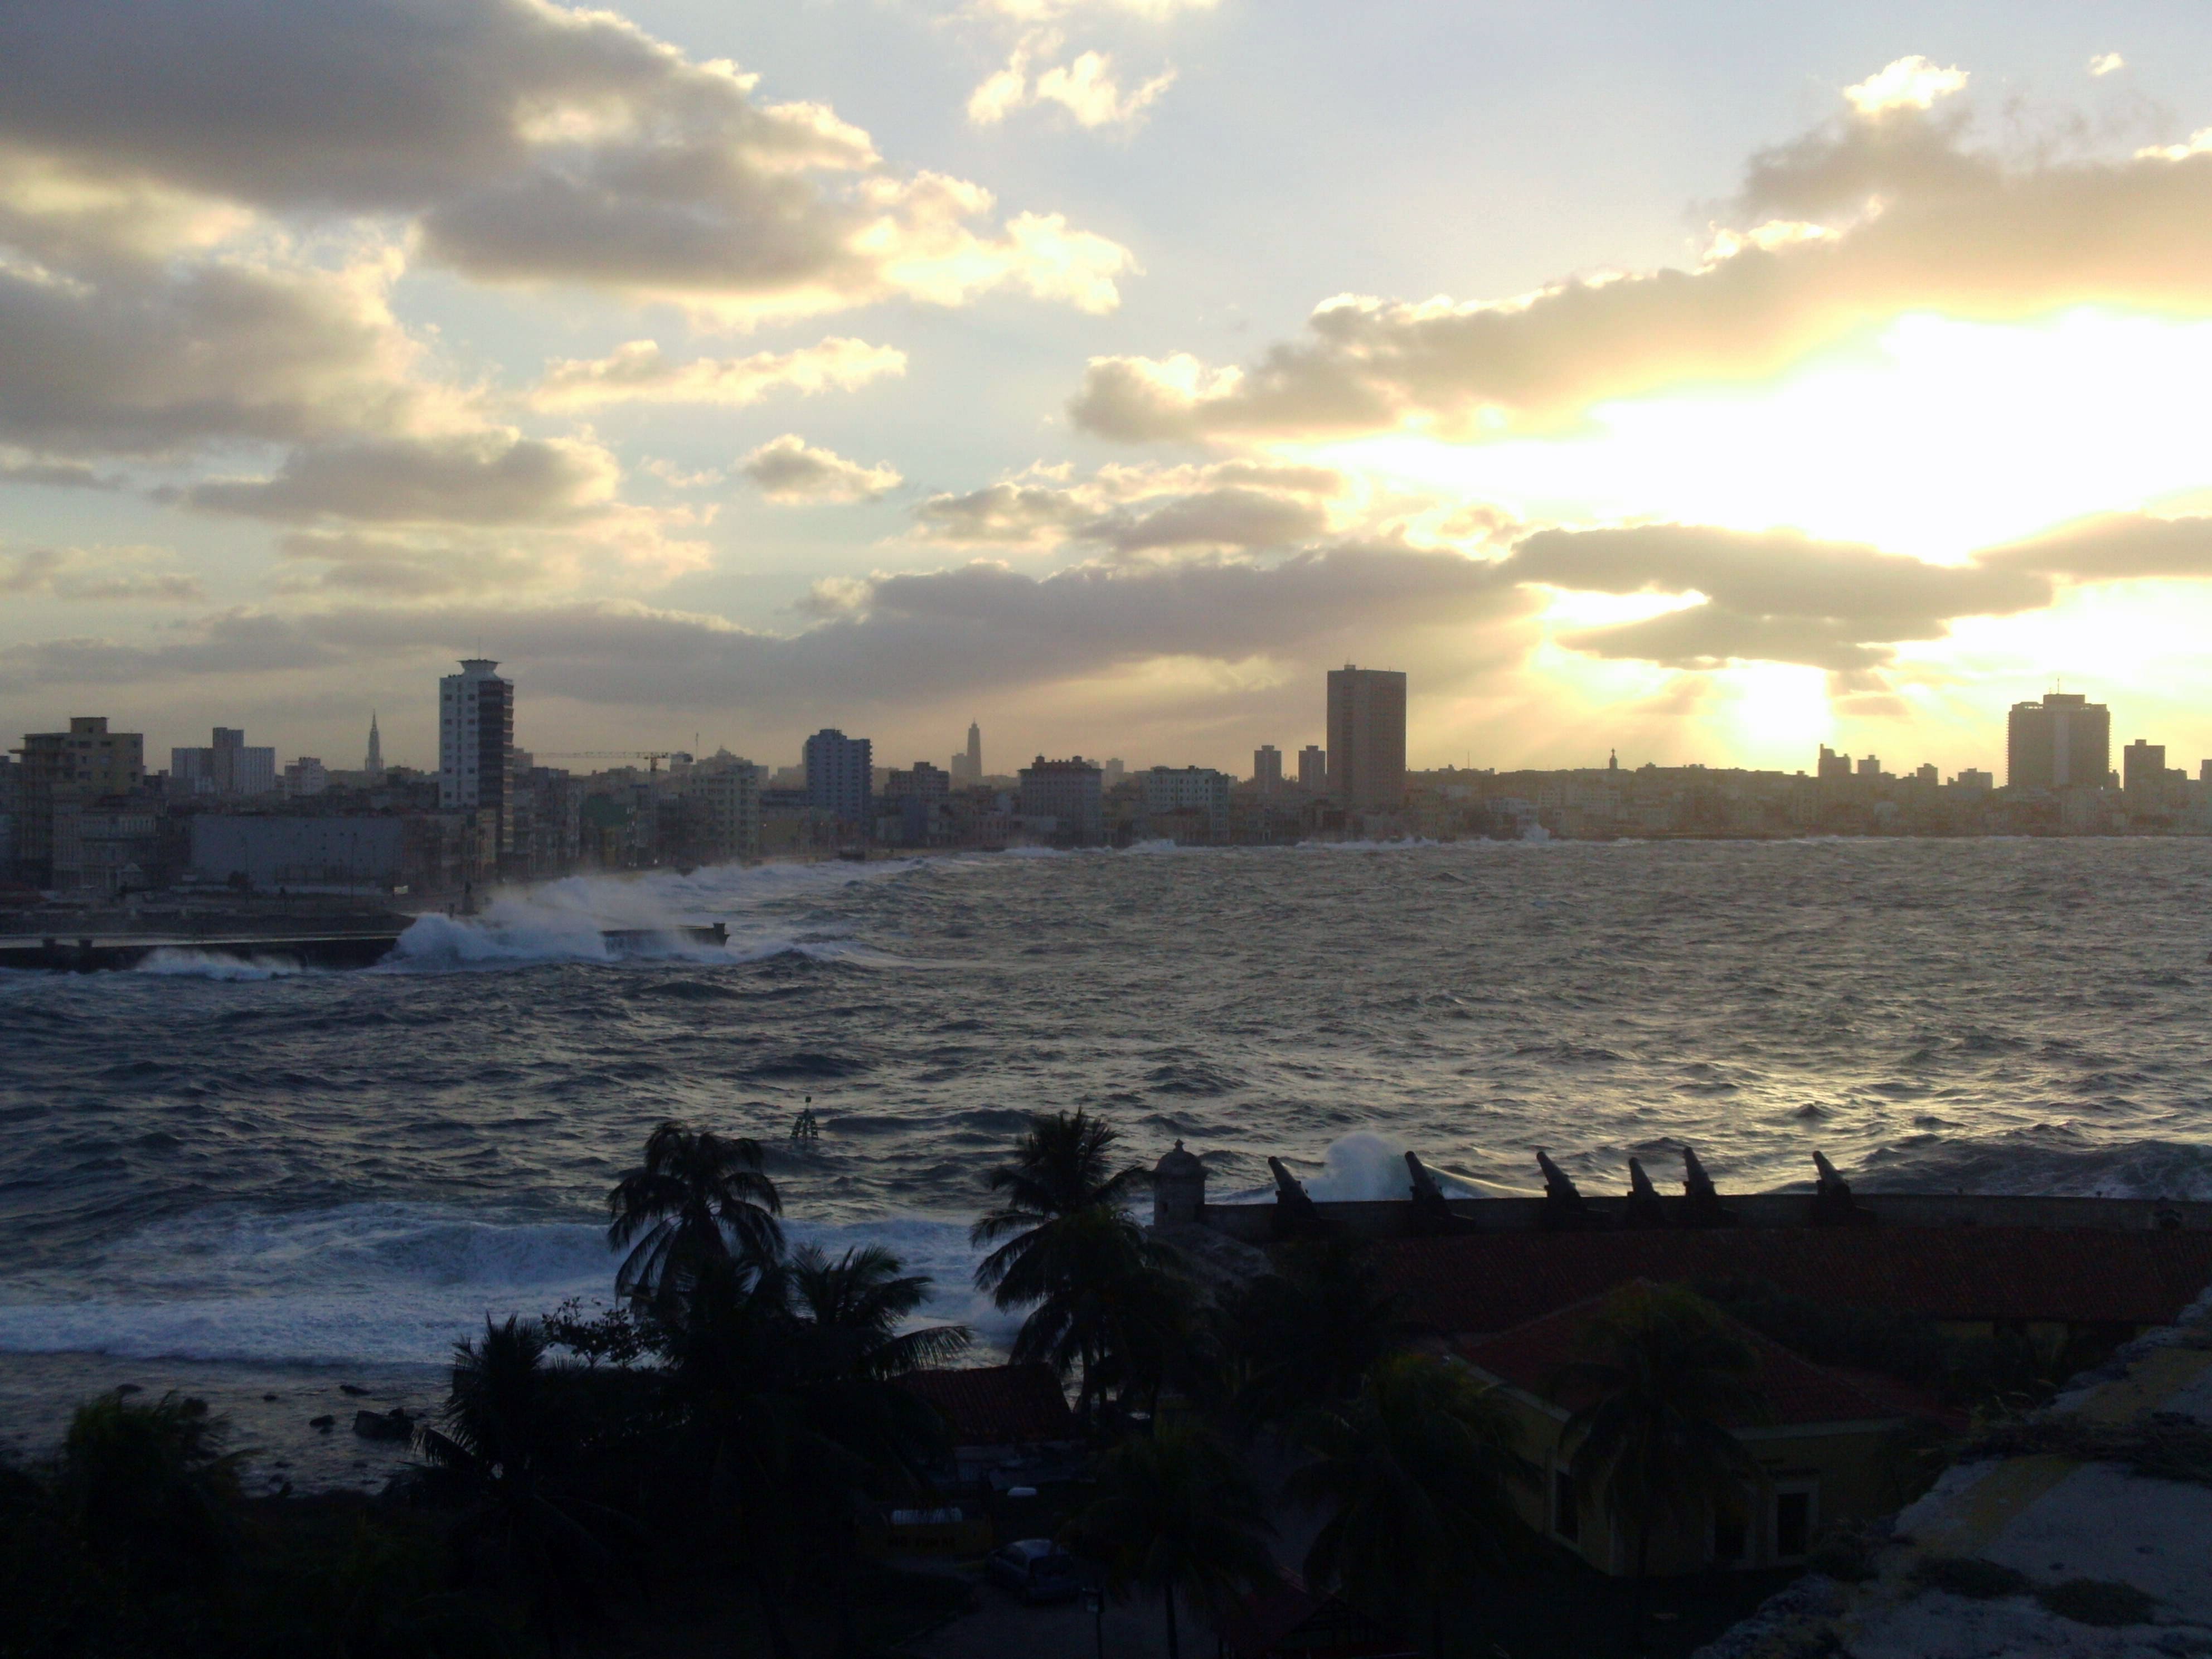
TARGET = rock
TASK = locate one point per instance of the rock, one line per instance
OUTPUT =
(394, 1424)
(268, 1396)
(326, 1423)
(352, 1388)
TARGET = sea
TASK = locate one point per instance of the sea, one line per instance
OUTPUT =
(291, 1193)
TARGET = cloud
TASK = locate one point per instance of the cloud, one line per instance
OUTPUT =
(640, 371)
(788, 470)
(1775, 596)
(1129, 509)
(1086, 87)
(149, 361)
(1908, 83)
(496, 477)
(519, 142)
(898, 642)
(143, 573)
(1868, 217)
(2114, 547)
(21, 469)
(2107, 62)
(1037, 11)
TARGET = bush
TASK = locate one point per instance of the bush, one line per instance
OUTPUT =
(2097, 1602)
(1969, 1576)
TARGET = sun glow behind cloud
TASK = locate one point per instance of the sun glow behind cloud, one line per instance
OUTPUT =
(1933, 438)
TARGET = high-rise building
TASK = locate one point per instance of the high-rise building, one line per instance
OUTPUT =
(1068, 790)
(2065, 741)
(476, 746)
(2142, 768)
(1367, 739)
(840, 771)
(1268, 768)
(1313, 769)
(228, 766)
(1832, 766)
(373, 766)
(1869, 766)
(61, 771)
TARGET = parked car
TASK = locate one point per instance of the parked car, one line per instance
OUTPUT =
(1036, 1570)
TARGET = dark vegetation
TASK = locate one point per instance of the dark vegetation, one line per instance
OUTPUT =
(702, 1467)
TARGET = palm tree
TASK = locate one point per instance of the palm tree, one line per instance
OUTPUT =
(696, 1193)
(1307, 1335)
(508, 1438)
(1107, 1306)
(1061, 1169)
(860, 1300)
(1654, 1444)
(1415, 1469)
(1176, 1514)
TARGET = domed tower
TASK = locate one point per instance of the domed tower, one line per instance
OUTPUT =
(1178, 1190)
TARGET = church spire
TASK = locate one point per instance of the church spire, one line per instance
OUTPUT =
(374, 765)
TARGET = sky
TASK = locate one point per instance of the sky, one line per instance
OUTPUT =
(1702, 383)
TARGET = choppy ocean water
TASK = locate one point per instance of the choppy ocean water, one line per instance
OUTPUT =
(248, 1183)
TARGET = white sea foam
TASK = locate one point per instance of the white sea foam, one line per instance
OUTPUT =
(179, 962)
(568, 920)
(387, 1283)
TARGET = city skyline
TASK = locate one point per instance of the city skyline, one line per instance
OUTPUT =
(1277, 336)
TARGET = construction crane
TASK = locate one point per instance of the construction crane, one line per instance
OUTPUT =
(652, 757)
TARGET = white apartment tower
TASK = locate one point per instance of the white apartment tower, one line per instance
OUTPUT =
(476, 743)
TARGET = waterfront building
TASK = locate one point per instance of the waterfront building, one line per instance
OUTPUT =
(266, 851)
(917, 795)
(1268, 768)
(1367, 739)
(1116, 771)
(839, 773)
(731, 790)
(61, 771)
(2065, 741)
(1069, 791)
(476, 746)
(1313, 770)
(1198, 789)
(228, 766)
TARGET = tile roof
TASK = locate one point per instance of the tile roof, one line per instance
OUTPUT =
(997, 1404)
(1484, 1282)
(1530, 1357)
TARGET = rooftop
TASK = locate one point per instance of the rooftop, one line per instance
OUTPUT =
(1530, 1358)
(1485, 1282)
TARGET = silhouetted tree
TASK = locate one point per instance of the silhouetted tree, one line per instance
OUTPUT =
(699, 1198)
(1061, 1170)
(508, 1442)
(1416, 1469)
(1306, 1334)
(1654, 1444)
(149, 1489)
(1175, 1513)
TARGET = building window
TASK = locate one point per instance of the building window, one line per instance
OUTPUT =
(1793, 1522)
(1565, 1522)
